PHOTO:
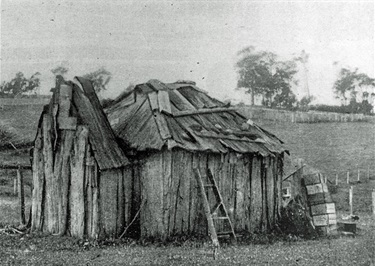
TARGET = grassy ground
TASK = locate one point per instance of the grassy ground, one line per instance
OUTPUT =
(329, 147)
(20, 122)
(16, 250)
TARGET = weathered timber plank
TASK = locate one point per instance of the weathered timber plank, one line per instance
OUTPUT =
(177, 183)
(202, 111)
(270, 193)
(180, 101)
(202, 166)
(193, 194)
(152, 191)
(101, 134)
(120, 202)
(162, 126)
(239, 207)
(256, 195)
(128, 193)
(186, 165)
(164, 103)
(51, 222)
(77, 165)
(264, 220)
(21, 197)
(62, 177)
(247, 190)
(96, 212)
(153, 100)
(89, 165)
(38, 184)
(108, 202)
(167, 182)
(279, 184)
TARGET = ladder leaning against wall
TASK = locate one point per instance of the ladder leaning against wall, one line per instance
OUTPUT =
(218, 211)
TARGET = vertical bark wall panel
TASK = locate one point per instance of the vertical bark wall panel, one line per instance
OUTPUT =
(51, 221)
(186, 164)
(77, 200)
(239, 220)
(230, 200)
(96, 212)
(177, 174)
(248, 184)
(264, 222)
(38, 183)
(167, 181)
(62, 177)
(201, 162)
(194, 195)
(89, 196)
(248, 159)
(120, 202)
(256, 196)
(270, 192)
(128, 194)
(173, 190)
(280, 174)
(108, 185)
(152, 191)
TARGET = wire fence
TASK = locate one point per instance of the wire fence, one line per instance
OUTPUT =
(349, 176)
(301, 117)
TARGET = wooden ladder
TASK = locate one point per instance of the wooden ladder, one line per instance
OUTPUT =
(219, 208)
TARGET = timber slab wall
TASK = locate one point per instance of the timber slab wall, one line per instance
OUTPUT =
(80, 176)
(301, 117)
(250, 186)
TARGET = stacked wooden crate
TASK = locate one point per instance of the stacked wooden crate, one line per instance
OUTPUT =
(322, 208)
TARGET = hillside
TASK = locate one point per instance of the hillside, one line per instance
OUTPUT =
(329, 147)
(18, 124)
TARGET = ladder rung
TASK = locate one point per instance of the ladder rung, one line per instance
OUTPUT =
(208, 185)
(225, 233)
(220, 218)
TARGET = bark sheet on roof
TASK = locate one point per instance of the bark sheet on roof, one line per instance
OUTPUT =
(144, 125)
(107, 152)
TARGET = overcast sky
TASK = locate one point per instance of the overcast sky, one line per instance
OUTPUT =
(194, 40)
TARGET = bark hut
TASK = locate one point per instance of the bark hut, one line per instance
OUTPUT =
(77, 167)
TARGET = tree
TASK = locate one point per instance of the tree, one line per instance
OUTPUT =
(60, 70)
(99, 78)
(261, 73)
(303, 58)
(347, 82)
(20, 85)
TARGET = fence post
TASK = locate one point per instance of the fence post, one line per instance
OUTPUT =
(368, 172)
(337, 179)
(21, 198)
(351, 199)
(373, 201)
(15, 187)
(347, 177)
(359, 173)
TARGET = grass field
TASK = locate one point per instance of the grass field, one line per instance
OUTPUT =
(329, 147)
(326, 146)
(20, 121)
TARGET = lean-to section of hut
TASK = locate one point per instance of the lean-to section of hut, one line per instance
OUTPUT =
(172, 129)
(79, 171)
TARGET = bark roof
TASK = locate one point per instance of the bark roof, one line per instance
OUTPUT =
(156, 115)
(86, 107)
